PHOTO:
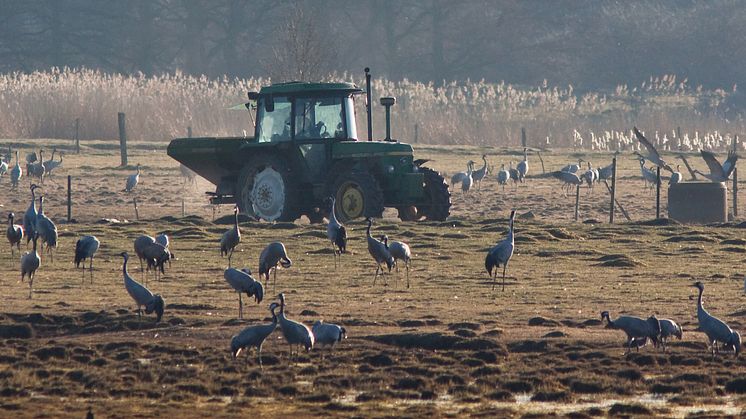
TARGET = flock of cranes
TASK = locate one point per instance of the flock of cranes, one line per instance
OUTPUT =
(36, 167)
(41, 232)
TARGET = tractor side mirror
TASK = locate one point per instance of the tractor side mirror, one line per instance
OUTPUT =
(253, 96)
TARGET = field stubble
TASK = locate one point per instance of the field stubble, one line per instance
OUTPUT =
(448, 346)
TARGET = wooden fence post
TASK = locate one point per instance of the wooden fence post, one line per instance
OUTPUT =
(735, 182)
(137, 213)
(77, 135)
(658, 194)
(189, 131)
(122, 138)
(577, 201)
(613, 191)
(523, 137)
(69, 199)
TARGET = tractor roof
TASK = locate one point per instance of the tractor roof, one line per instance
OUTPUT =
(300, 87)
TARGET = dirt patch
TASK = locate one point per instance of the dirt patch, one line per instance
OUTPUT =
(629, 409)
(562, 234)
(696, 238)
(541, 321)
(16, 331)
(528, 346)
(618, 261)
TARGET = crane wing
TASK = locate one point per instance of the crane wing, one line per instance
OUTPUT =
(715, 168)
(644, 141)
(730, 164)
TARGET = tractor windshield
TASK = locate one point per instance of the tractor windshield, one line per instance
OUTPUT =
(319, 118)
(273, 125)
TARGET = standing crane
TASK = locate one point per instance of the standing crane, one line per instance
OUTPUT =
(648, 175)
(568, 179)
(572, 167)
(718, 173)
(378, 250)
(715, 329)
(3, 167)
(254, 336)
(523, 166)
(328, 334)
(16, 173)
(480, 174)
(468, 181)
(243, 282)
(272, 255)
(164, 241)
(142, 243)
(635, 328)
(46, 228)
(156, 256)
(37, 169)
(459, 176)
(142, 296)
(230, 238)
(132, 180)
(676, 176)
(295, 333)
(515, 175)
(29, 218)
(86, 248)
(400, 252)
(14, 234)
(500, 254)
(503, 176)
(336, 233)
(30, 262)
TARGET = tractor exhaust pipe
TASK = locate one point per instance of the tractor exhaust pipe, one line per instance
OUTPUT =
(368, 103)
(388, 102)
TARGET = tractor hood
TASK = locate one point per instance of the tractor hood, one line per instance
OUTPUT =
(366, 149)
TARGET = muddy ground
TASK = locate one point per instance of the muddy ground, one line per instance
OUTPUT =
(448, 346)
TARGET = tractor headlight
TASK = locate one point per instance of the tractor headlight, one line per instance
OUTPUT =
(389, 169)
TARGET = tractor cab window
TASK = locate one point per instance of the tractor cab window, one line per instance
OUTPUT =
(273, 125)
(319, 118)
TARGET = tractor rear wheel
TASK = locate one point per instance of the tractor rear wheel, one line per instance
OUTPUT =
(267, 190)
(437, 195)
(357, 194)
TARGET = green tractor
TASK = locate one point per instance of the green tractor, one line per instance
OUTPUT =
(305, 149)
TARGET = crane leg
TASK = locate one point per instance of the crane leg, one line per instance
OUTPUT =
(240, 306)
(378, 267)
(406, 265)
(259, 355)
(91, 269)
(31, 285)
(505, 267)
(230, 255)
(274, 279)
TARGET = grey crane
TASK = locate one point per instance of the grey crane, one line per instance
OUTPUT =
(500, 254)
(459, 177)
(652, 154)
(336, 233)
(523, 166)
(132, 180)
(676, 176)
(52, 164)
(634, 327)
(503, 176)
(230, 238)
(29, 218)
(295, 333)
(30, 262)
(568, 180)
(272, 255)
(605, 172)
(164, 241)
(378, 250)
(156, 256)
(188, 175)
(14, 234)
(515, 175)
(328, 334)
(36, 169)
(141, 243)
(480, 174)
(86, 248)
(590, 176)
(669, 328)
(46, 229)
(648, 175)
(718, 172)
(3, 167)
(715, 329)
(468, 181)
(400, 252)
(243, 282)
(572, 167)
(254, 336)
(16, 173)
(142, 296)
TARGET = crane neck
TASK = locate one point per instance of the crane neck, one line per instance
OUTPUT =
(699, 299)
(36, 238)
(124, 267)
(525, 155)
(10, 221)
(332, 213)
(274, 316)
(367, 230)
(235, 219)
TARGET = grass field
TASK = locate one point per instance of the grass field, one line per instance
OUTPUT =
(447, 346)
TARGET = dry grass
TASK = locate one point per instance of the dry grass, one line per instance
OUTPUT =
(449, 346)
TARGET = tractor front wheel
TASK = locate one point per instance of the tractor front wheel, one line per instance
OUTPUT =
(357, 194)
(438, 198)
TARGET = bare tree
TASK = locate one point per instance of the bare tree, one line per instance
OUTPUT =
(302, 52)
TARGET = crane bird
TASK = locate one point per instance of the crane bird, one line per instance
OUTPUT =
(29, 218)
(669, 328)
(14, 234)
(86, 248)
(156, 256)
(164, 241)
(230, 238)
(715, 329)
(142, 296)
(187, 175)
(503, 176)
(459, 177)
(37, 169)
(648, 175)
(675, 176)
(652, 154)
(52, 164)
(242, 281)
(336, 233)
(515, 175)
(16, 173)
(568, 179)
(3, 167)
(468, 181)
(718, 173)
(30, 262)
(635, 328)
(378, 250)
(399, 251)
(295, 333)
(590, 176)
(501, 253)
(46, 229)
(141, 243)
(480, 174)
(605, 172)
(132, 180)
(523, 166)
(254, 336)
(572, 167)
(328, 334)
(272, 255)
